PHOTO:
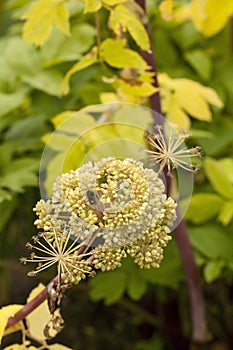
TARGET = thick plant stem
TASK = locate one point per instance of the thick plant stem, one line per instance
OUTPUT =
(199, 325)
(198, 317)
(29, 307)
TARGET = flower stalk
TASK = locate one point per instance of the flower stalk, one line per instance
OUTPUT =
(96, 216)
(197, 306)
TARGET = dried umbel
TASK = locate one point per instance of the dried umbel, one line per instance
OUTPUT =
(170, 151)
(98, 214)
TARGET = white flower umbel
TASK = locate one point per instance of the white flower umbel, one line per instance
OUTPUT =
(97, 214)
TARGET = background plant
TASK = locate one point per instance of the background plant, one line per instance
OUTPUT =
(191, 53)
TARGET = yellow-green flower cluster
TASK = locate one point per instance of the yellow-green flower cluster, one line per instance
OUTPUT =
(100, 212)
(107, 259)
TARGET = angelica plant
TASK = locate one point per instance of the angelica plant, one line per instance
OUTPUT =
(97, 214)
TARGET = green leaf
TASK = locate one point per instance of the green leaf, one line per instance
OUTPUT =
(186, 36)
(212, 241)
(25, 134)
(19, 174)
(226, 213)
(7, 150)
(116, 55)
(201, 133)
(200, 62)
(203, 206)
(222, 137)
(136, 283)
(23, 58)
(167, 55)
(6, 209)
(7, 81)
(170, 272)
(154, 343)
(59, 48)
(109, 286)
(5, 195)
(48, 81)
(218, 178)
(212, 270)
(26, 128)
(40, 19)
(9, 102)
(136, 286)
(227, 165)
(90, 93)
(122, 19)
(84, 62)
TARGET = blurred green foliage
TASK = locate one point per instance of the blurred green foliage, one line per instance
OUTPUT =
(30, 97)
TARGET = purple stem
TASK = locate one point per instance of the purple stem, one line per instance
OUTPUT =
(29, 307)
(198, 317)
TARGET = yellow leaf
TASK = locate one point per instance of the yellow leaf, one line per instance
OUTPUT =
(189, 96)
(116, 55)
(20, 347)
(113, 2)
(19, 326)
(166, 10)
(83, 63)
(182, 97)
(122, 19)
(58, 347)
(61, 117)
(5, 313)
(70, 122)
(39, 318)
(147, 77)
(226, 213)
(142, 90)
(107, 97)
(178, 117)
(182, 13)
(218, 178)
(211, 96)
(40, 19)
(60, 19)
(92, 5)
(210, 16)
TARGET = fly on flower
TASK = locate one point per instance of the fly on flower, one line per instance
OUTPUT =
(92, 197)
(167, 149)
